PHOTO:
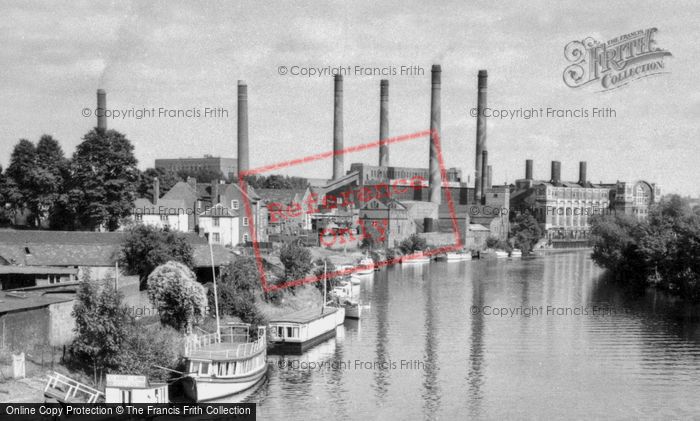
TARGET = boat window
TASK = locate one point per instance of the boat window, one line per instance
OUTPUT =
(296, 332)
(126, 396)
(204, 369)
(194, 367)
(233, 368)
(222, 369)
(280, 331)
(289, 332)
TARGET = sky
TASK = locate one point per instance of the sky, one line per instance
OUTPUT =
(190, 55)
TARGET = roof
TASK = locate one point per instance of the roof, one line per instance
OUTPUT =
(85, 248)
(304, 316)
(219, 211)
(19, 301)
(181, 191)
(164, 207)
(284, 196)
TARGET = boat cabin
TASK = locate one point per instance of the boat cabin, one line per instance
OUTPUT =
(134, 389)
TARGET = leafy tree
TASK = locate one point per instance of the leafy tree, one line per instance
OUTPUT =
(50, 176)
(296, 260)
(146, 247)
(167, 179)
(5, 211)
(21, 175)
(104, 180)
(181, 300)
(331, 281)
(147, 346)
(525, 232)
(276, 181)
(239, 289)
(413, 244)
(100, 323)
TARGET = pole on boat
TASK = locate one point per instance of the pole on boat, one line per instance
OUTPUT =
(216, 295)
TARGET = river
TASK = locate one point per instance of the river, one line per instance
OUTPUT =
(544, 337)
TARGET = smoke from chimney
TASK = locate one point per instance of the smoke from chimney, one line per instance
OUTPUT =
(338, 166)
(556, 172)
(101, 107)
(480, 131)
(435, 184)
(243, 164)
(528, 169)
(383, 122)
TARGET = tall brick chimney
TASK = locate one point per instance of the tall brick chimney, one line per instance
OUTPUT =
(528, 169)
(484, 174)
(556, 172)
(435, 181)
(101, 107)
(480, 131)
(338, 167)
(582, 173)
(383, 122)
(243, 163)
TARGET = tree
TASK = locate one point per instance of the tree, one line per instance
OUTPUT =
(101, 325)
(330, 281)
(296, 260)
(181, 300)
(146, 247)
(167, 179)
(239, 289)
(5, 211)
(413, 244)
(21, 175)
(525, 232)
(104, 181)
(50, 176)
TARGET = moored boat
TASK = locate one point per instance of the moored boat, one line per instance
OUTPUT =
(458, 256)
(500, 254)
(300, 330)
(416, 258)
(516, 253)
(225, 364)
(365, 267)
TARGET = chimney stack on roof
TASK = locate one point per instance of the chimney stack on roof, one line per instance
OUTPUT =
(383, 122)
(556, 172)
(243, 163)
(528, 169)
(582, 173)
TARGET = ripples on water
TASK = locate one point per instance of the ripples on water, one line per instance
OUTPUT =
(642, 358)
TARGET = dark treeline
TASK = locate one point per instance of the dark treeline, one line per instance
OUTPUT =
(93, 189)
(663, 251)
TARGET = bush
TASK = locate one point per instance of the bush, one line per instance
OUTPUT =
(181, 300)
(413, 244)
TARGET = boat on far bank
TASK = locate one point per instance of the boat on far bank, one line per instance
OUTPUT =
(413, 259)
(298, 331)
(365, 267)
(516, 253)
(457, 256)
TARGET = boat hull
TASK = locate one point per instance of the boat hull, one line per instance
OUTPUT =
(353, 311)
(204, 389)
(287, 347)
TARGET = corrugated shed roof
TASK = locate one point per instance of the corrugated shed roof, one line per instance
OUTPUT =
(18, 301)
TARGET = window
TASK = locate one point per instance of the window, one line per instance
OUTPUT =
(215, 237)
(280, 331)
(234, 204)
(204, 369)
(139, 217)
(245, 238)
(164, 218)
(245, 221)
(54, 279)
(215, 221)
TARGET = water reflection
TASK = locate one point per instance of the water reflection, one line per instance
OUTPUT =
(640, 358)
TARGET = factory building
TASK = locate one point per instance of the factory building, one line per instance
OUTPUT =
(564, 208)
(227, 166)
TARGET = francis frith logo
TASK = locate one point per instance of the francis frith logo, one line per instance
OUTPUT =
(614, 63)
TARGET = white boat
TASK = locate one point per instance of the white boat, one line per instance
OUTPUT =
(500, 254)
(224, 364)
(365, 267)
(343, 290)
(458, 256)
(126, 389)
(355, 280)
(415, 258)
(516, 253)
(300, 330)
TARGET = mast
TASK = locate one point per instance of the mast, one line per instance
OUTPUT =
(216, 294)
(325, 282)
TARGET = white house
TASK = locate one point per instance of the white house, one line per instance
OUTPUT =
(164, 213)
(221, 224)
